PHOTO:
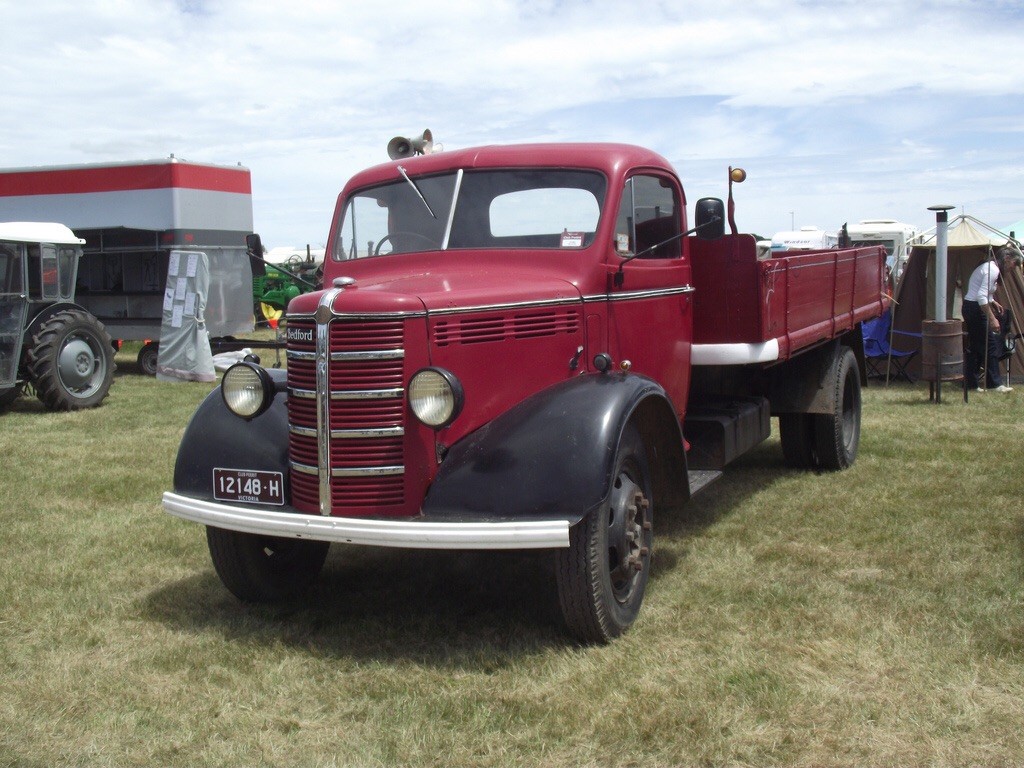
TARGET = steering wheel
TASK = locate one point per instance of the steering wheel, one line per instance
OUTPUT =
(420, 235)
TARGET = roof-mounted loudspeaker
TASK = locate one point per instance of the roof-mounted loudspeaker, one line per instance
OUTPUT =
(400, 146)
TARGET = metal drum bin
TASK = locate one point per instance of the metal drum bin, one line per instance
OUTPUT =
(942, 354)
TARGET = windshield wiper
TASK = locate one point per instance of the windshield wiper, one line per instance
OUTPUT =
(412, 184)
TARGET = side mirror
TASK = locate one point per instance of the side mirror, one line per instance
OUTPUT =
(254, 245)
(709, 215)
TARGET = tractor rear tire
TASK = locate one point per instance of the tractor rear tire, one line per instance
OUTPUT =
(71, 362)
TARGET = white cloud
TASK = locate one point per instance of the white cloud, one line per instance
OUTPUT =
(835, 108)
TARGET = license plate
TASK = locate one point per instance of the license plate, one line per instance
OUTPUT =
(249, 485)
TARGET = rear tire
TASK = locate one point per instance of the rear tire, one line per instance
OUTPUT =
(837, 434)
(797, 434)
(71, 363)
(264, 569)
(147, 358)
(602, 575)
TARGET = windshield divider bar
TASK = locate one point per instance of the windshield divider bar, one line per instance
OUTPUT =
(451, 211)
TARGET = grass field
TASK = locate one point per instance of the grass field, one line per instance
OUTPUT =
(873, 617)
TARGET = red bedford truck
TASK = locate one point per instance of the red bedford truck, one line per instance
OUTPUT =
(523, 347)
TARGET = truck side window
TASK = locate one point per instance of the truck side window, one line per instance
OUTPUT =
(647, 216)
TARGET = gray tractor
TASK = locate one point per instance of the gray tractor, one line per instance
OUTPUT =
(47, 341)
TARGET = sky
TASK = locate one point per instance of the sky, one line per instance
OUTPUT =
(838, 111)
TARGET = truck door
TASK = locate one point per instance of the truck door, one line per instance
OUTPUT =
(650, 312)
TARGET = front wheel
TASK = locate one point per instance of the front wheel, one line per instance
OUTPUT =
(264, 569)
(71, 361)
(8, 396)
(602, 575)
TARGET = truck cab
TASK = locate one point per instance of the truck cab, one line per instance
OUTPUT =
(512, 351)
(45, 338)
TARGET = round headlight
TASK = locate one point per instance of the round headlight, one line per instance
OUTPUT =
(247, 390)
(435, 396)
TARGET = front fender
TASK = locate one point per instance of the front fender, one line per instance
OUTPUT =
(552, 456)
(215, 437)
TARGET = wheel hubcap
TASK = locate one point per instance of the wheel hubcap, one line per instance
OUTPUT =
(629, 529)
(80, 367)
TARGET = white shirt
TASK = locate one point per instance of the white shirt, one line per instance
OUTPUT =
(982, 285)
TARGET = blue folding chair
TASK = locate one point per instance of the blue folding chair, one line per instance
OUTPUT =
(883, 360)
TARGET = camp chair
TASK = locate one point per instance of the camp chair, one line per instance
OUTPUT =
(882, 359)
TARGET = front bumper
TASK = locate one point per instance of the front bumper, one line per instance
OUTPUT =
(376, 532)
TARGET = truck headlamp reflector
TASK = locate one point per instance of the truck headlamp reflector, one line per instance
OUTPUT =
(435, 396)
(247, 390)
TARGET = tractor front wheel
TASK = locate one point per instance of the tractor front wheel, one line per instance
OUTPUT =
(8, 396)
(71, 361)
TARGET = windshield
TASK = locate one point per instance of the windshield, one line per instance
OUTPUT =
(889, 245)
(549, 208)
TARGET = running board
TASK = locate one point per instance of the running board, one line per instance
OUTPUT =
(701, 479)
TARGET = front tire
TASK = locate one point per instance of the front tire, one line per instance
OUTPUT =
(602, 575)
(264, 569)
(8, 396)
(837, 434)
(71, 363)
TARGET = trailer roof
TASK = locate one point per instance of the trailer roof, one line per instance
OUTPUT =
(38, 232)
(124, 176)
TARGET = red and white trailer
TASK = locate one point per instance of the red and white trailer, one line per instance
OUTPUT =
(132, 215)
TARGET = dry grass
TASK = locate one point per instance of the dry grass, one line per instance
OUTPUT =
(874, 617)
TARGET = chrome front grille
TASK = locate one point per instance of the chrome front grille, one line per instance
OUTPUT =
(364, 407)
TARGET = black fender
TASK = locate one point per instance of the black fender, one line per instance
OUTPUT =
(552, 455)
(44, 314)
(215, 437)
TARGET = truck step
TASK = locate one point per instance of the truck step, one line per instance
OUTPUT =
(701, 479)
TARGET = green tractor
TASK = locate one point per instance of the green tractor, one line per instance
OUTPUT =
(275, 284)
(48, 342)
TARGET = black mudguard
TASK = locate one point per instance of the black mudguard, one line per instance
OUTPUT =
(215, 437)
(552, 455)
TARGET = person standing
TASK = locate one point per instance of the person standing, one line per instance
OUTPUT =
(982, 314)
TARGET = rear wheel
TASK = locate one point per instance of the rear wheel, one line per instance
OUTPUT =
(602, 575)
(264, 569)
(147, 358)
(797, 434)
(837, 434)
(71, 361)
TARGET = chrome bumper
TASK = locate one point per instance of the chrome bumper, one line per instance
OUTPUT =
(413, 534)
